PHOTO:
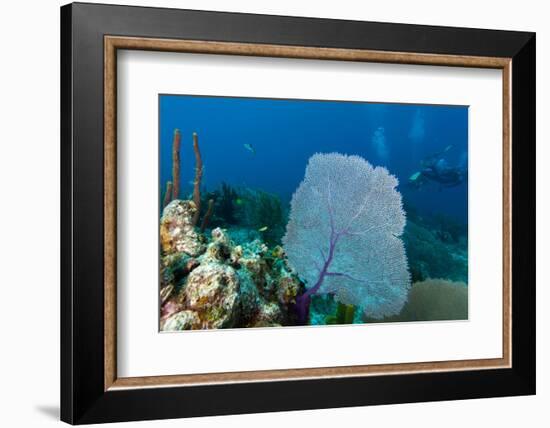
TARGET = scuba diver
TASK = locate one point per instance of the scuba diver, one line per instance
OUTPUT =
(436, 169)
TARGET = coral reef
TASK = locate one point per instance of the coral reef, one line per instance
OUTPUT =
(262, 211)
(432, 257)
(225, 204)
(448, 229)
(177, 232)
(244, 235)
(248, 208)
(343, 235)
(223, 285)
(182, 320)
(212, 291)
(345, 257)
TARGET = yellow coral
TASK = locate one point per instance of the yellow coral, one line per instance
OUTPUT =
(278, 252)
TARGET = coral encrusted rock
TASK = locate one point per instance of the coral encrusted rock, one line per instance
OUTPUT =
(250, 299)
(212, 290)
(224, 285)
(288, 288)
(268, 315)
(219, 249)
(177, 234)
(182, 320)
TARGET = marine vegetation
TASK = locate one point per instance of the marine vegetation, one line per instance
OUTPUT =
(431, 256)
(249, 208)
(226, 203)
(261, 211)
(344, 235)
(448, 229)
(215, 283)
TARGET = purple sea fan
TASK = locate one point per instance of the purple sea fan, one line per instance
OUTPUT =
(344, 235)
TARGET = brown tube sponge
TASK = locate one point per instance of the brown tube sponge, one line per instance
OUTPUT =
(168, 194)
(176, 164)
(198, 179)
(206, 218)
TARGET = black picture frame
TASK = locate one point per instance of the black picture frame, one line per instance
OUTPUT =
(83, 396)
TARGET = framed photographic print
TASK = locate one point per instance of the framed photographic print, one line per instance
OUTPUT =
(316, 212)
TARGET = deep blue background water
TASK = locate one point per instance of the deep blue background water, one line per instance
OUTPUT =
(285, 133)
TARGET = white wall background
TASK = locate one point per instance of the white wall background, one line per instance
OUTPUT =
(29, 217)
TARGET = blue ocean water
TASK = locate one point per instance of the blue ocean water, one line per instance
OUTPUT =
(283, 134)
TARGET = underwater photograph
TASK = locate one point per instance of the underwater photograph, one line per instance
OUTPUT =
(294, 212)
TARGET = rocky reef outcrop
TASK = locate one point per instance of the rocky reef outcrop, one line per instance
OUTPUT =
(212, 292)
(177, 232)
(215, 282)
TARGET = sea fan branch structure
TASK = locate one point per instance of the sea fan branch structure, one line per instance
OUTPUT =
(344, 235)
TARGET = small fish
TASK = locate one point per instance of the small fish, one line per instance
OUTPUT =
(249, 148)
(239, 201)
(414, 176)
(263, 229)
